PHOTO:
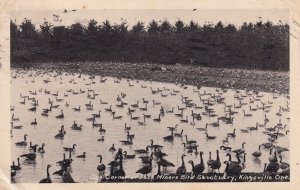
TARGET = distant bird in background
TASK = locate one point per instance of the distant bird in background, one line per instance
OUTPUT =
(56, 18)
(194, 9)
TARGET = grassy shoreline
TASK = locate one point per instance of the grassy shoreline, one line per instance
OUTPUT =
(265, 81)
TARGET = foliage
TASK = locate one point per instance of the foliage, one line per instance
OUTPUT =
(252, 46)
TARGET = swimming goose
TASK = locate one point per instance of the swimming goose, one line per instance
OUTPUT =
(41, 149)
(128, 156)
(70, 148)
(82, 156)
(22, 143)
(14, 167)
(61, 116)
(48, 179)
(258, 153)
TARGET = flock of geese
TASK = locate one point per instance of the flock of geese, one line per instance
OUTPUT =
(188, 113)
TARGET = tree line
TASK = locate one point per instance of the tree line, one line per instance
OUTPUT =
(259, 45)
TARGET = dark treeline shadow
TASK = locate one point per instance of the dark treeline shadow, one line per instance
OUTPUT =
(259, 45)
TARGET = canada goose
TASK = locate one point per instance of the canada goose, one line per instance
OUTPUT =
(133, 118)
(48, 179)
(157, 119)
(14, 167)
(116, 117)
(199, 168)
(182, 169)
(258, 153)
(126, 127)
(101, 167)
(66, 177)
(15, 127)
(155, 146)
(184, 120)
(108, 109)
(77, 109)
(240, 150)
(271, 168)
(101, 102)
(179, 134)
(209, 137)
(142, 151)
(61, 116)
(203, 129)
(70, 148)
(41, 149)
(82, 156)
(22, 143)
(30, 156)
(189, 142)
(169, 137)
(216, 164)
(233, 169)
(170, 111)
(232, 134)
(128, 156)
(247, 115)
(112, 148)
(101, 139)
(283, 165)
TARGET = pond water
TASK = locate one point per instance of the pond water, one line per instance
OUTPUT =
(85, 170)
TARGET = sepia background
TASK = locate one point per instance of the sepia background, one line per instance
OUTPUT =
(277, 9)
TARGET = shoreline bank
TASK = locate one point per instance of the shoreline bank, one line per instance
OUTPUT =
(265, 81)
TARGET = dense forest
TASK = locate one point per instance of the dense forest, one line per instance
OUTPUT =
(259, 45)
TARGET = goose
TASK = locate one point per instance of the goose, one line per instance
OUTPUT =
(179, 114)
(157, 119)
(182, 169)
(155, 146)
(247, 115)
(209, 137)
(216, 164)
(101, 102)
(258, 153)
(96, 124)
(128, 141)
(112, 148)
(66, 177)
(267, 145)
(41, 149)
(135, 105)
(14, 167)
(273, 158)
(101, 139)
(226, 148)
(142, 151)
(283, 165)
(127, 127)
(61, 116)
(134, 118)
(22, 143)
(170, 111)
(253, 128)
(144, 108)
(225, 141)
(82, 156)
(116, 117)
(30, 156)
(146, 115)
(101, 167)
(101, 130)
(203, 129)
(97, 115)
(70, 148)
(128, 156)
(142, 122)
(169, 137)
(32, 109)
(146, 169)
(233, 169)
(15, 127)
(77, 109)
(199, 168)
(48, 179)
(120, 172)
(280, 149)
(184, 120)
(232, 134)
(179, 134)
(59, 99)
(13, 118)
(240, 150)
(189, 142)
(271, 168)
(108, 109)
